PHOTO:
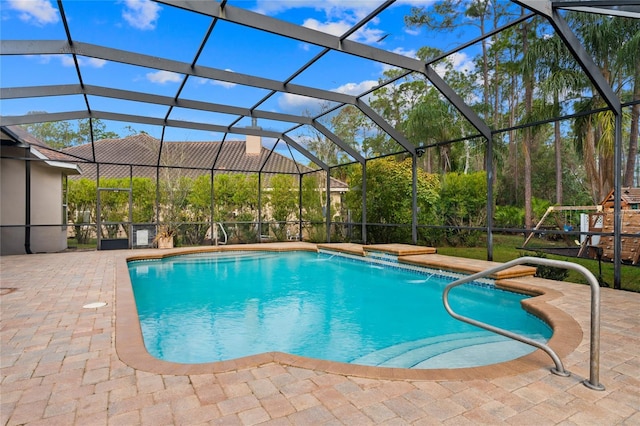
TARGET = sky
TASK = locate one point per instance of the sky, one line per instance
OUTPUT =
(160, 30)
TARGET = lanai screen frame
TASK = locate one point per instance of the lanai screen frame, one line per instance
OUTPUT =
(217, 11)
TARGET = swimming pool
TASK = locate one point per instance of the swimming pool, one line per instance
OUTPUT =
(214, 307)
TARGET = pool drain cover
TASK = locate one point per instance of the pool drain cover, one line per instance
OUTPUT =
(94, 305)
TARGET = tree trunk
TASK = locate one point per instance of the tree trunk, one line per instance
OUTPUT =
(606, 160)
(558, 152)
(528, 136)
(633, 132)
(513, 143)
(590, 164)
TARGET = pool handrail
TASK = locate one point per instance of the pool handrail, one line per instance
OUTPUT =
(226, 238)
(593, 382)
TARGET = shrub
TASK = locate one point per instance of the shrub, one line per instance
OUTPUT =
(462, 203)
(509, 217)
(550, 272)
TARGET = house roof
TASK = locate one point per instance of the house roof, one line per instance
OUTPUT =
(193, 158)
(628, 196)
(18, 137)
(631, 195)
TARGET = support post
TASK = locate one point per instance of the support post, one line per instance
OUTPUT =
(617, 204)
(27, 203)
(214, 241)
(328, 204)
(490, 198)
(98, 207)
(259, 207)
(414, 199)
(364, 203)
(157, 195)
(300, 207)
(130, 206)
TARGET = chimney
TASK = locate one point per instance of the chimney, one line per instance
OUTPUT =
(253, 145)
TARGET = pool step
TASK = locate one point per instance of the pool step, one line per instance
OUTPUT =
(480, 354)
(449, 351)
(389, 353)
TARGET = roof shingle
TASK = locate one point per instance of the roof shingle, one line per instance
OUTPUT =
(194, 158)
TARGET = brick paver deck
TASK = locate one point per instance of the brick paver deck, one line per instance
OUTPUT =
(60, 366)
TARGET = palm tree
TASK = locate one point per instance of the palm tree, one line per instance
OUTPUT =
(433, 121)
(630, 57)
(528, 80)
(559, 79)
(611, 42)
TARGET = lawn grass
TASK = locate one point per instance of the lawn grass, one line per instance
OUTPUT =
(505, 248)
(72, 244)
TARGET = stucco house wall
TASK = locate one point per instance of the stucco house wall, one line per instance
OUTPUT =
(44, 196)
(12, 206)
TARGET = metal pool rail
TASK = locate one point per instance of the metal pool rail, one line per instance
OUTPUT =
(593, 382)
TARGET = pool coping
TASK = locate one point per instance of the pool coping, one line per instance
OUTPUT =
(129, 343)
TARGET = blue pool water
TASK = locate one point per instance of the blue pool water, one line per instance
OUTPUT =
(220, 306)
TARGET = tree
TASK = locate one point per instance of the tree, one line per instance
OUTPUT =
(81, 207)
(100, 131)
(463, 203)
(144, 197)
(174, 194)
(628, 55)
(198, 213)
(394, 102)
(449, 15)
(389, 198)
(433, 121)
(62, 134)
(611, 42)
(57, 134)
(236, 200)
(283, 201)
(313, 200)
(528, 79)
(554, 67)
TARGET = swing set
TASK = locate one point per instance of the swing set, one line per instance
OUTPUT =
(562, 216)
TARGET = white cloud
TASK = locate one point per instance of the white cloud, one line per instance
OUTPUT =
(366, 34)
(141, 14)
(333, 28)
(225, 84)
(356, 88)
(297, 104)
(94, 62)
(163, 77)
(411, 53)
(459, 61)
(291, 103)
(340, 15)
(415, 3)
(40, 12)
(67, 61)
(360, 8)
(412, 31)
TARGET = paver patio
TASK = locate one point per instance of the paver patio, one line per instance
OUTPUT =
(60, 366)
